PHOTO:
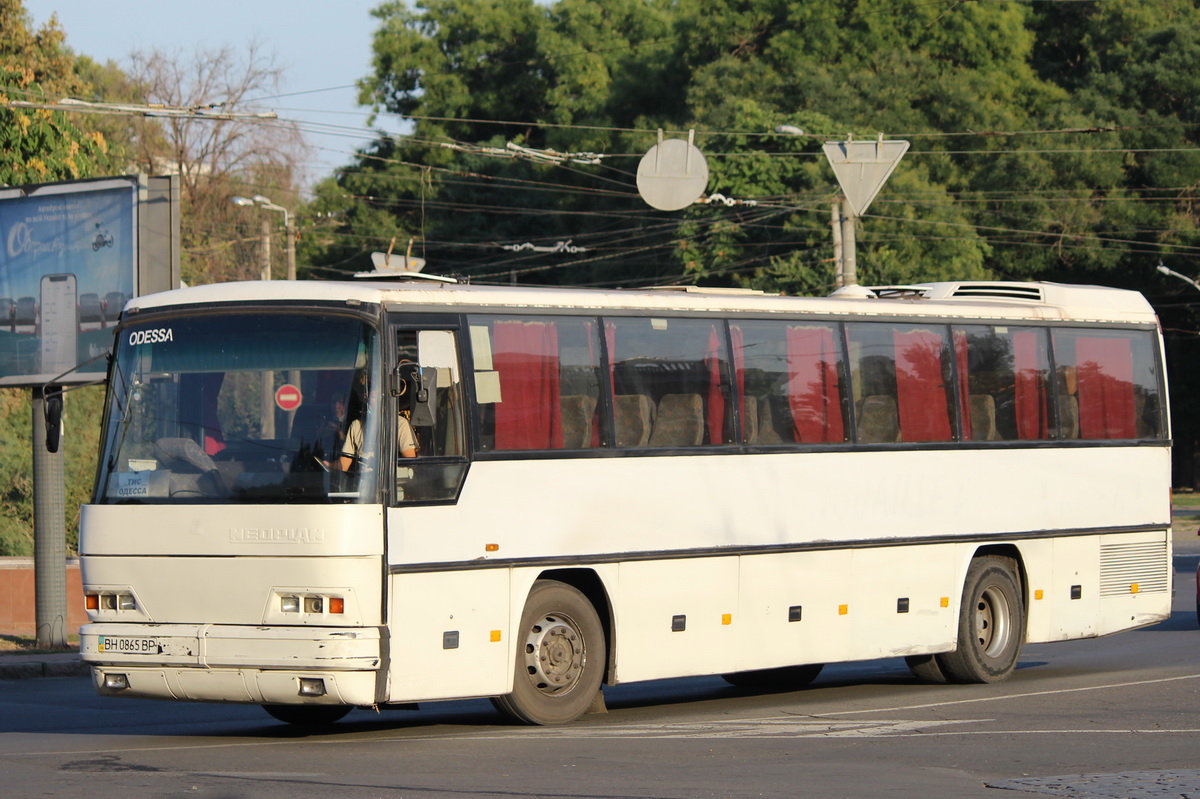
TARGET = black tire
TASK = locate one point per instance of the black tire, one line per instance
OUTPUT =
(784, 678)
(560, 657)
(926, 669)
(991, 624)
(308, 715)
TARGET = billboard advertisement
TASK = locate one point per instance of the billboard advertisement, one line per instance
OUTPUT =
(68, 263)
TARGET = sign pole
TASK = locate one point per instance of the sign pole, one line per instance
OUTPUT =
(849, 253)
(835, 222)
(49, 532)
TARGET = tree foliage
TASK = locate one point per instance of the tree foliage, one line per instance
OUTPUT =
(1042, 136)
(38, 145)
(216, 158)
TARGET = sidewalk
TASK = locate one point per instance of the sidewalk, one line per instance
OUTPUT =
(59, 664)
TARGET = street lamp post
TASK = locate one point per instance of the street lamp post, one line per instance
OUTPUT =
(1166, 270)
(289, 232)
(267, 400)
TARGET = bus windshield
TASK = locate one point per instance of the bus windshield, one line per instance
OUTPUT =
(242, 408)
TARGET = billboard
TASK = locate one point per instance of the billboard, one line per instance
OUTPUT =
(68, 263)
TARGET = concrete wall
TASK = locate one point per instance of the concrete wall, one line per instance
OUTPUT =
(18, 601)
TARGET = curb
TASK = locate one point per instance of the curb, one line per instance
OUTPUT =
(26, 667)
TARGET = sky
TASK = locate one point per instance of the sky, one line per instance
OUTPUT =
(323, 47)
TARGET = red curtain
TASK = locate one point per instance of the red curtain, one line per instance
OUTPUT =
(214, 439)
(813, 393)
(526, 356)
(920, 392)
(1029, 394)
(716, 398)
(1106, 407)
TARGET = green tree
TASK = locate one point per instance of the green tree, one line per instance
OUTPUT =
(1039, 135)
(39, 145)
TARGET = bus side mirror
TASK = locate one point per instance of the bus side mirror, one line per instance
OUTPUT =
(426, 390)
(52, 407)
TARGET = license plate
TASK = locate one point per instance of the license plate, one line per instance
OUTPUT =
(120, 644)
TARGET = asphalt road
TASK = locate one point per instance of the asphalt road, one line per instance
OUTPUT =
(1114, 717)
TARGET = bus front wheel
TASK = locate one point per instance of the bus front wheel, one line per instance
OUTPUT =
(991, 624)
(560, 657)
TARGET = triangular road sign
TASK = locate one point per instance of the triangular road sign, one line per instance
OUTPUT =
(862, 167)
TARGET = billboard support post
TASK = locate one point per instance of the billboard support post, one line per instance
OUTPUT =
(49, 530)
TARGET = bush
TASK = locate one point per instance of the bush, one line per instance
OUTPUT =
(81, 435)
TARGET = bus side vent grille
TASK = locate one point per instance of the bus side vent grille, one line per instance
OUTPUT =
(1008, 291)
(1124, 566)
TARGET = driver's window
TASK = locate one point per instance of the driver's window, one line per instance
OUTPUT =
(430, 434)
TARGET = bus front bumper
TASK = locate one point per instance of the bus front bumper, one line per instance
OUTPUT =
(230, 663)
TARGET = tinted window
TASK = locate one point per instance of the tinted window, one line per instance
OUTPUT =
(791, 380)
(1003, 374)
(1108, 384)
(670, 382)
(537, 383)
(901, 379)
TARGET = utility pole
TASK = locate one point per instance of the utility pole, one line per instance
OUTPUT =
(49, 527)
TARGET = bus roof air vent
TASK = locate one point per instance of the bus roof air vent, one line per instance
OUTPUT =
(900, 292)
(1005, 291)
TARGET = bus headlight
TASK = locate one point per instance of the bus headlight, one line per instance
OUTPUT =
(114, 603)
(309, 606)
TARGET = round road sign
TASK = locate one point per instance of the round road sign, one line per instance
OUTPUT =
(672, 175)
(287, 397)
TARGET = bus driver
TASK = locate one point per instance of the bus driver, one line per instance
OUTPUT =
(406, 440)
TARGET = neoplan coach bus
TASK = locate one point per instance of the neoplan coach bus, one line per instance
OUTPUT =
(612, 486)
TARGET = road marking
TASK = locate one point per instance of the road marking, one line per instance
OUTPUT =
(1003, 697)
(778, 727)
(815, 725)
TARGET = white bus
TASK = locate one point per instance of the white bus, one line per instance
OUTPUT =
(614, 486)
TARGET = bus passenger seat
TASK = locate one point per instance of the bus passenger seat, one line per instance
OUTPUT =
(578, 411)
(1068, 417)
(878, 420)
(768, 433)
(750, 419)
(634, 416)
(983, 418)
(680, 421)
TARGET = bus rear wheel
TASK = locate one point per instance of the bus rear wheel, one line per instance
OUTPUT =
(991, 624)
(560, 657)
(785, 678)
(307, 715)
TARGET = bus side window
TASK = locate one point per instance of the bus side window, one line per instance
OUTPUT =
(537, 383)
(907, 365)
(1003, 376)
(1107, 383)
(432, 404)
(791, 379)
(670, 380)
